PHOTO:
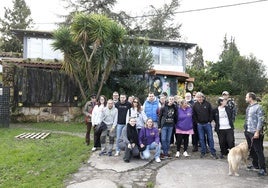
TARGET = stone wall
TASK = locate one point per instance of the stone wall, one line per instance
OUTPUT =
(45, 114)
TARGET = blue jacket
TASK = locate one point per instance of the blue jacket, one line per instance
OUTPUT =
(151, 109)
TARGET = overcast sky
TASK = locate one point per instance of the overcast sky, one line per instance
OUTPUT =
(246, 23)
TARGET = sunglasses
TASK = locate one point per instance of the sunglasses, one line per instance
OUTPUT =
(135, 101)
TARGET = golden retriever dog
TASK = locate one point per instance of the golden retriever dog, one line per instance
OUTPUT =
(237, 155)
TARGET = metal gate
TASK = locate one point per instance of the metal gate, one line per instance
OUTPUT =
(4, 106)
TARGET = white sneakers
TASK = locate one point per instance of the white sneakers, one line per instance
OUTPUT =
(158, 160)
(185, 154)
(93, 149)
(117, 153)
(177, 154)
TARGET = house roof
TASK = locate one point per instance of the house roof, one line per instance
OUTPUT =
(20, 33)
(154, 42)
(31, 63)
(172, 73)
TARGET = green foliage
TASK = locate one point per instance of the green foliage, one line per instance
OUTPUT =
(16, 18)
(160, 25)
(248, 74)
(40, 163)
(91, 48)
(129, 76)
(234, 73)
(239, 122)
(264, 104)
(196, 59)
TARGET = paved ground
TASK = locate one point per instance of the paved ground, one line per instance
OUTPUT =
(112, 172)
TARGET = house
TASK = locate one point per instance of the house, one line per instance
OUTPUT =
(167, 75)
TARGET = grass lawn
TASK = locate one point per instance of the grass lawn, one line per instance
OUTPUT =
(239, 122)
(41, 163)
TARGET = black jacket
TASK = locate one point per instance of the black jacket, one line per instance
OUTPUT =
(202, 112)
(166, 114)
(216, 118)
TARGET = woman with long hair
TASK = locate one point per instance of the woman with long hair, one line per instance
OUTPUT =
(96, 120)
(137, 112)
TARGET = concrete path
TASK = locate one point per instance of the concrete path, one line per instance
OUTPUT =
(190, 172)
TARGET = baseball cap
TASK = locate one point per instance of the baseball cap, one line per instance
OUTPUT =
(225, 93)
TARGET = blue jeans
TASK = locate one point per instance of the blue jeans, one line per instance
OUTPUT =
(146, 153)
(166, 133)
(119, 129)
(202, 130)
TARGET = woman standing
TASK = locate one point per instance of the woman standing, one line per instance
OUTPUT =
(129, 140)
(96, 120)
(224, 127)
(149, 138)
(137, 112)
(184, 127)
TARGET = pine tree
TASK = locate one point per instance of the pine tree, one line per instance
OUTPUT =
(16, 18)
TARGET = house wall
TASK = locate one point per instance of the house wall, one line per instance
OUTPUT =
(168, 59)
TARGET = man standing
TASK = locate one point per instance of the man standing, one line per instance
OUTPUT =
(122, 106)
(202, 116)
(87, 111)
(167, 121)
(151, 107)
(107, 126)
(254, 133)
(115, 97)
(230, 104)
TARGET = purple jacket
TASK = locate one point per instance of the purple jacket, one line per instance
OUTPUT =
(149, 136)
(185, 120)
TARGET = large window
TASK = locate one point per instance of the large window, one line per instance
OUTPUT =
(167, 56)
(41, 48)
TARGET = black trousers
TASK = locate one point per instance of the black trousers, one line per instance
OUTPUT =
(195, 137)
(256, 150)
(226, 140)
(97, 135)
(185, 138)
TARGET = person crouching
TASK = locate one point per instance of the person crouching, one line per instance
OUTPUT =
(129, 140)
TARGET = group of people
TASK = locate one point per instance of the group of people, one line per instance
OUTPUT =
(140, 128)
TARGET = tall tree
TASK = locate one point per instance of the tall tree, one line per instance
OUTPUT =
(16, 18)
(129, 75)
(160, 23)
(91, 48)
(248, 74)
(196, 59)
(157, 23)
(96, 7)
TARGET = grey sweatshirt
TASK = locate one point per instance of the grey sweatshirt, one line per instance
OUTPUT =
(254, 118)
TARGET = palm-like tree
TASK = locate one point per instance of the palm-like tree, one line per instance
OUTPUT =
(91, 48)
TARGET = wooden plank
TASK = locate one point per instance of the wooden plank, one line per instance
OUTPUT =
(18, 136)
(35, 135)
(40, 135)
(30, 135)
(43, 137)
(24, 136)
